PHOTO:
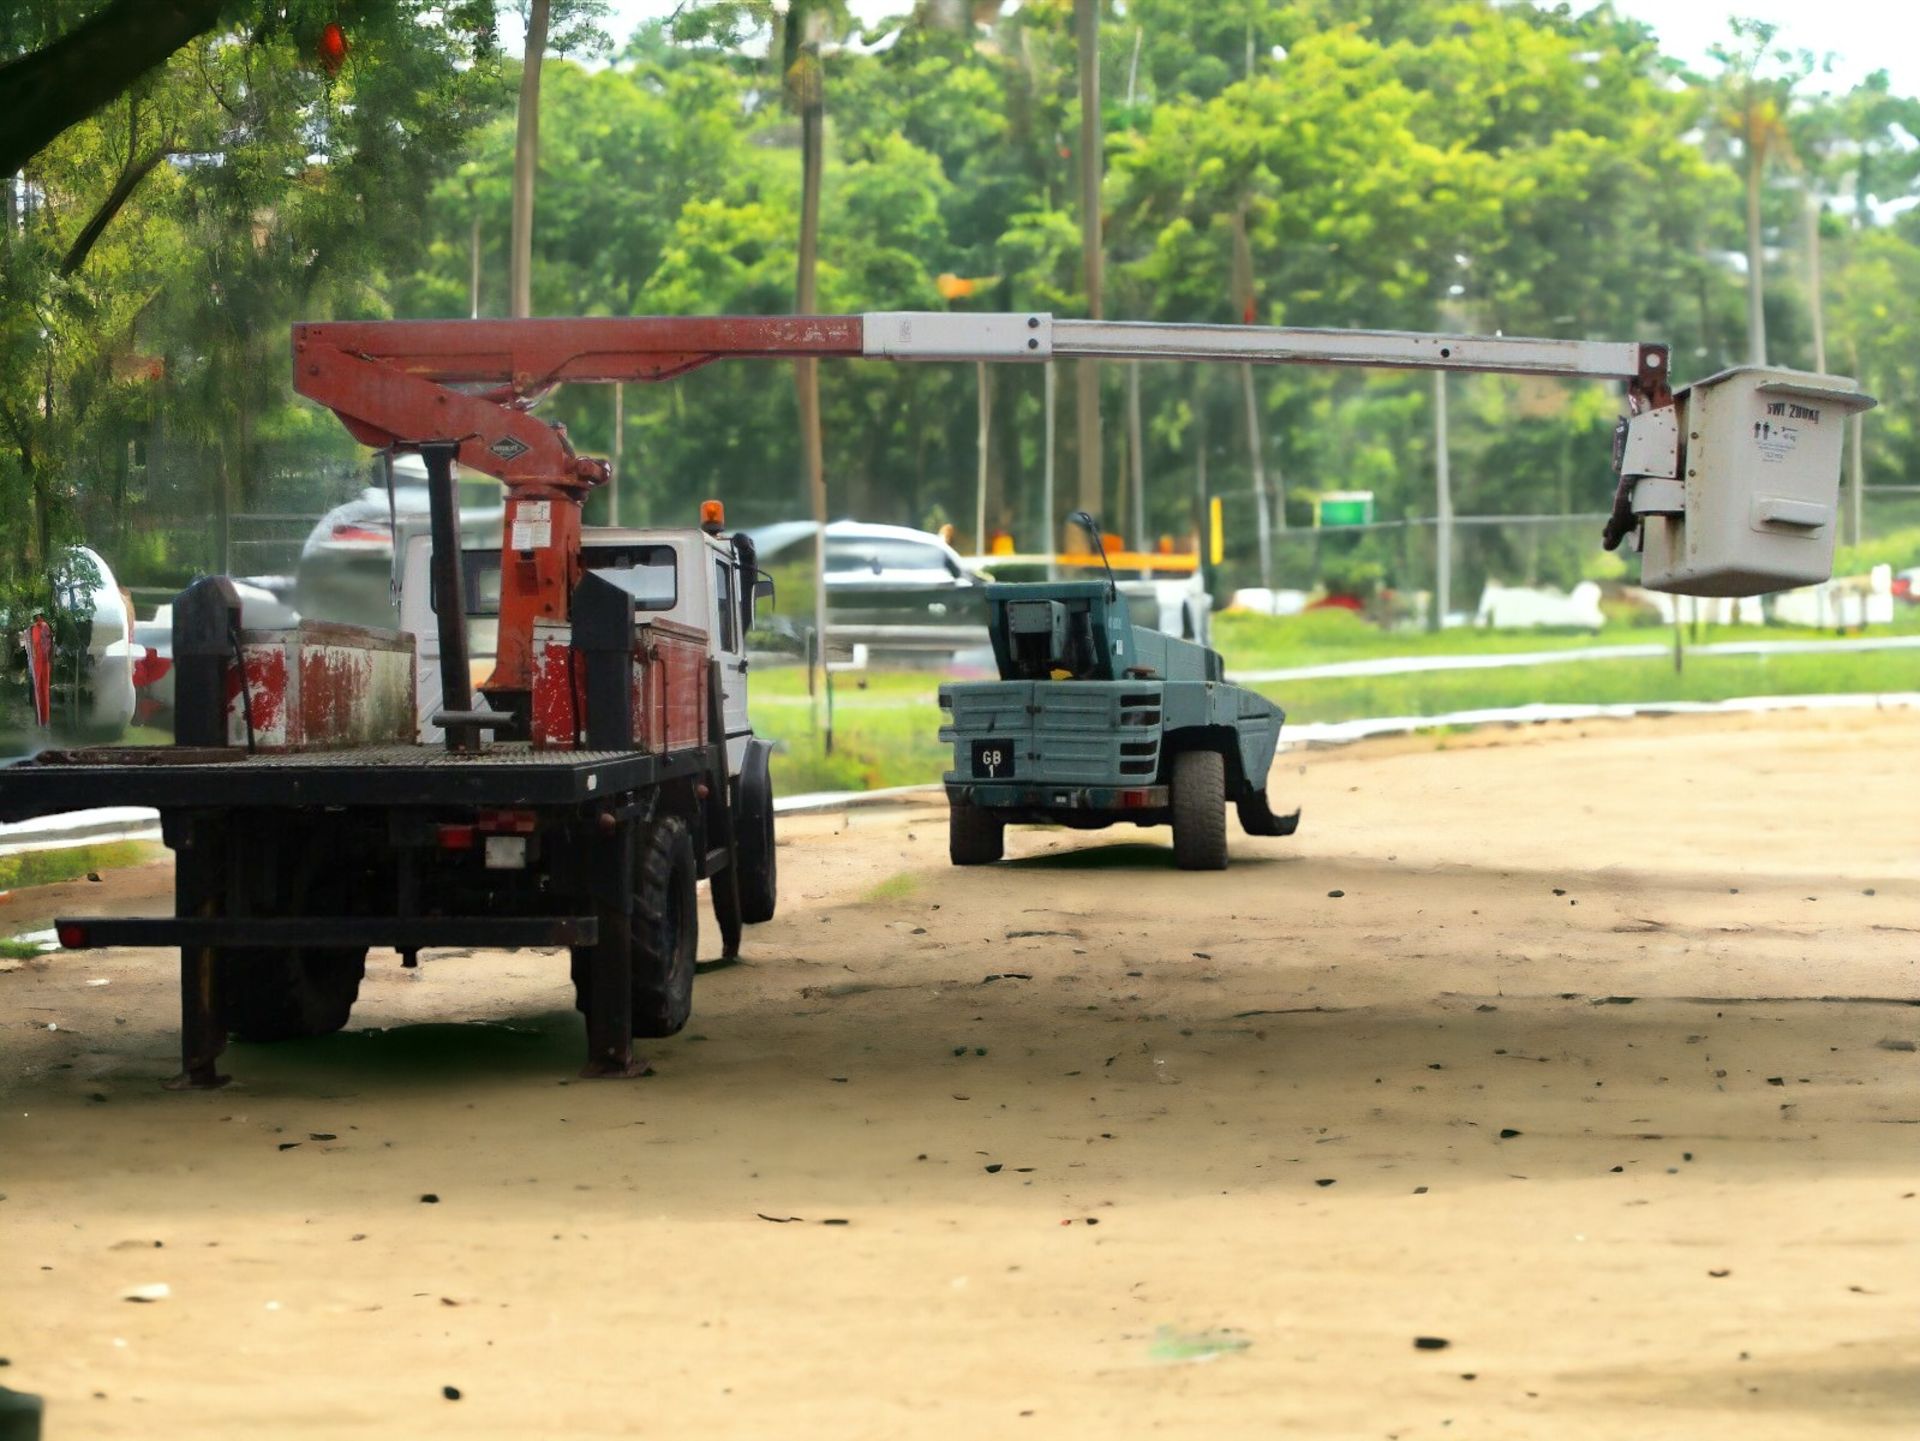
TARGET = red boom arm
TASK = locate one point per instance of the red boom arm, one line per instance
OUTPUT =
(402, 382)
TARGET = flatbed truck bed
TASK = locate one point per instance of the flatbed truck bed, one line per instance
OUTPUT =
(164, 777)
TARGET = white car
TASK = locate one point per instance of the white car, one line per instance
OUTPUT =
(260, 609)
(94, 692)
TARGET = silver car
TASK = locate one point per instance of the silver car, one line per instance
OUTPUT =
(889, 588)
(346, 565)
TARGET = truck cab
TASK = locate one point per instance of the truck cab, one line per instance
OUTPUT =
(697, 579)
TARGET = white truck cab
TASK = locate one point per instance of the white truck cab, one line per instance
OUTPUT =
(708, 590)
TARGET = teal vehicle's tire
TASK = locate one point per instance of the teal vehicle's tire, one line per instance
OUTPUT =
(1200, 811)
(974, 837)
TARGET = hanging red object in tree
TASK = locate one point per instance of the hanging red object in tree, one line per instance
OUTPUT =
(332, 48)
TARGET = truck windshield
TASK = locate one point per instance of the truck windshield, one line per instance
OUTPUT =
(662, 591)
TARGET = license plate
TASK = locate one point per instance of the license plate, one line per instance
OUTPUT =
(992, 760)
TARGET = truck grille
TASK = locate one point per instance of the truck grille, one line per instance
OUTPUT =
(1083, 732)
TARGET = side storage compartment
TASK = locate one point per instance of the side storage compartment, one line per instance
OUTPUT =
(312, 686)
(669, 686)
(645, 678)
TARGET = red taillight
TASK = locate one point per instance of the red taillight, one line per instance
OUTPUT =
(151, 667)
(513, 823)
(72, 935)
(1134, 800)
(457, 838)
(358, 534)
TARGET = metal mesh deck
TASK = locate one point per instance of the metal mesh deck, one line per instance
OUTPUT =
(410, 757)
(383, 776)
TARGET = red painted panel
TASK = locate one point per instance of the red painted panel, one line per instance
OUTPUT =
(317, 684)
(557, 689)
(334, 692)
(266, 671)
(669, 686)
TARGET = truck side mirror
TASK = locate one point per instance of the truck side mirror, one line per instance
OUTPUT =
(762, 590)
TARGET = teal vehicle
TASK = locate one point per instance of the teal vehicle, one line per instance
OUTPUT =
(1096, 722)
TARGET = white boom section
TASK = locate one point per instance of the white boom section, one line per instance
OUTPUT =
(936, 335)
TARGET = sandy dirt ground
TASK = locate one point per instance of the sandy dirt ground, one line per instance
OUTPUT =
(1587, 1050)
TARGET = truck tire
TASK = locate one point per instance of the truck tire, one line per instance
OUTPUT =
(666, 928)
(1200, 811)
(270, 993)
(753, 835)
(974, 837)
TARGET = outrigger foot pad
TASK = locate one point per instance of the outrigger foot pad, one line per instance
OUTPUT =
(197, 1080)
(1257, 817)
(615, 1070)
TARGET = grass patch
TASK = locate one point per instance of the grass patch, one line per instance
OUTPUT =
(43, 868)
(885, 733)
(1259, 642)
(12, 950)
(894, 888)
(1601, 682)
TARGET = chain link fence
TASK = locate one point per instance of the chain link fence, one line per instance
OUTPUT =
(1395, 567)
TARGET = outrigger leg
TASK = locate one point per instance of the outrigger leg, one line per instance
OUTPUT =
(1257, 817)
(610, 961)
(203, 1035)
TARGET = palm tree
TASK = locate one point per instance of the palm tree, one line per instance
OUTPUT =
(1087, 28)
(1753, 110)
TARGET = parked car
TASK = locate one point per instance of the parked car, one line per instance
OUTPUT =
(260, 609)
(91, 670)
(346, 565)
(889, 587)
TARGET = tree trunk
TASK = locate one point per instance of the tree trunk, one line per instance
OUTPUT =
(1137, 456)
(42, 516)
(223, 517)
(526, 156)
(1049, 512)
(619, 448)
(1087, 23)
(1202, 511)
(1815, 301)
(1442, 508)
(806, 374)
(1857, 464)
(473, 262)
(1756, 313)
(983, 391)
(1262, 508)
(1244, 301)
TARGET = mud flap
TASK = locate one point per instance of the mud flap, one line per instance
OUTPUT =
(1257, 817)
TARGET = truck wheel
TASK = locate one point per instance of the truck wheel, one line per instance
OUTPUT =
(974, 837)
(1200, 811)
(270, 993)
(753, 834)
(666, 928)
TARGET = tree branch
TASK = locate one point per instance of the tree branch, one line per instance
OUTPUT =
(63, 83)
(122, 192)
